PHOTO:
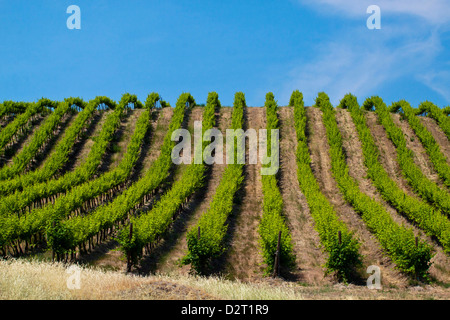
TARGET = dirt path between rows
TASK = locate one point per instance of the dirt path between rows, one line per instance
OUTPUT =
(152, 263)
(370, 247)
(309, 257)
(243, 259)
(159, 127)
(388, 152)
(355, 161)
(440, 269)
(106, 255)
(168, 262)
(83, 147)
(124, 137)
(49, 146)
(438, 135)
(24, 139)
(421, 158)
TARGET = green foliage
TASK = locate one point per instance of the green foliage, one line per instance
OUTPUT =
(212, 223)
(165, 104)
(343, 257)
(152, 98)
(446, 110)
(150, 226)
(424, 215)
(186, 97)
(212, 105)
(426, 138)
(22, 120)
(37, 220)
(296, 95)
(272, 221)
(397, 241)
(62, 150)
(28, 192)
(436, 113)
(43, 134)
(13, 108)
(82, 228)
(427, 189)
(58, 237)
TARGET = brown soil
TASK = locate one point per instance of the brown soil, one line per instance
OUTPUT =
(439, 136)
(440, 269)
(370, 247)
(168, 262)
(159, 127)
(421, 158)
(23, 140)
(124, 137)
(118, 146)
(86, 145)
(107, 255)
(243, 260)
(353, 151)
(388, 153)
(309, 256)
(50, 146)
(6, 120)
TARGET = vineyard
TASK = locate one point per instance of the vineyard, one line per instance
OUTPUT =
(359, 184)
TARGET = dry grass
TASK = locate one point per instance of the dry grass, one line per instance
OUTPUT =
(25, 280)
(33, 280)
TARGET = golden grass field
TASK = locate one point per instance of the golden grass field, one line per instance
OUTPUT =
(35, 280)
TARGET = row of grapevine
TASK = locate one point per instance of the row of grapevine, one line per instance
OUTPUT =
(398, 241)
(146, 229)
(436, 113)
(23, 227)
(42, 135)
(432, 221)
(38, 195)
(337, 240)
(272, 221)
(62, 150)
(446, 110)
(212, 224)
(427, 189)
(426, 138)
(76, 231)
(12, 108)
(14, 129)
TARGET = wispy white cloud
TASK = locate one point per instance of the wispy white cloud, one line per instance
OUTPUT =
(341, 68)
(436, 12)
(438, 81)
(360, 63)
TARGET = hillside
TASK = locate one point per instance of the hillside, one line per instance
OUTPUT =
(96, 208)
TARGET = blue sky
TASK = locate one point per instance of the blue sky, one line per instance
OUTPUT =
(198, 46)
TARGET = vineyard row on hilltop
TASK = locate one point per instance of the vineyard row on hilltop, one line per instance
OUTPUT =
(46, 207)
